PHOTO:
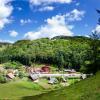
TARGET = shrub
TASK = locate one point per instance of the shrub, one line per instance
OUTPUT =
(2, 79)
(12, 65)
(21, 74)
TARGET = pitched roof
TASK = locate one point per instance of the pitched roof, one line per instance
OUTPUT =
(10, 75)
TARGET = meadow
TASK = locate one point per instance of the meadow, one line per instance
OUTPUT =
(88, 89)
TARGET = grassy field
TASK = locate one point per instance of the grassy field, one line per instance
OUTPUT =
(88, 89)
(18, 89)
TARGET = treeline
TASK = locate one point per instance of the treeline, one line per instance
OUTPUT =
(4, 44)
(71, 52)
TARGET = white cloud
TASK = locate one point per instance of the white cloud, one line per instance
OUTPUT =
(77, 4)
(13, 33)
(87, 36)
(47, 2)
(57, 25)
(45, 5)
(5, 12)
(19, 8)
(98, 29)
(47, 8)
(22, 21)
(8, 41)
(54, 27)
(75, 15)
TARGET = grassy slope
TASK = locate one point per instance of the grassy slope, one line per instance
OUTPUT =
(88, 89)
(14, 90)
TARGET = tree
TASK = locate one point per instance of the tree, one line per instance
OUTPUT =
(98, 11)
(60, 59)
(2, 78)
(95, 47)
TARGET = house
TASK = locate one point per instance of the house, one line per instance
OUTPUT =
(10, 71)
(29, 69)
(15, 72)
(10, 75)
(73, 71)
(83, 76)
(37, 70)
(70, 71)
(52, 80)
(33, 70)
(45, 69)
(34, 77)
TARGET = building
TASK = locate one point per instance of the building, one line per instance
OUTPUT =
(10, 75)
(45, 69)
(70, 71)
(33, 70)
(53, 80)
(34, 77)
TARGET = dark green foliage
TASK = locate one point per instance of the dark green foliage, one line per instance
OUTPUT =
(12, 65)
(59, 58)
(95, 54)
(69, 52)
(4, 44)
(82, 38)
(21, 74)
(2, 78)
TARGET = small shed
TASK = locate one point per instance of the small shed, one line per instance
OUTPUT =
(34, 77)
(10, 75)
(83, 76)
(70, 71)
(73, 71)
(53, 80)
(33, 69)
(45, 69)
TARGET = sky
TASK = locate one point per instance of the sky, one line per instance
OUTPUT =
(33, 19)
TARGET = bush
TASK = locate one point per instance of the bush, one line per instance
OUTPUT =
(2, 79)
(21, 74)
(12, 65)
(83, 69)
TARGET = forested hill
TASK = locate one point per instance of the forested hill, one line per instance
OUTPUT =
(4, 44)
(70, 52)
(72, 37)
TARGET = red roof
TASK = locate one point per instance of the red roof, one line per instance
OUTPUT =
(46, 69)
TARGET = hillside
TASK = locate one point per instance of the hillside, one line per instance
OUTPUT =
(88, 89)
(4, 44)
(71, 52)
(81, 38)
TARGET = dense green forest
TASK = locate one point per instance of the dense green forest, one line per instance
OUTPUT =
(80, 53)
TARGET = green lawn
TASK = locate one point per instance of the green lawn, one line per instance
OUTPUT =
(18, 89)
(88, 89)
